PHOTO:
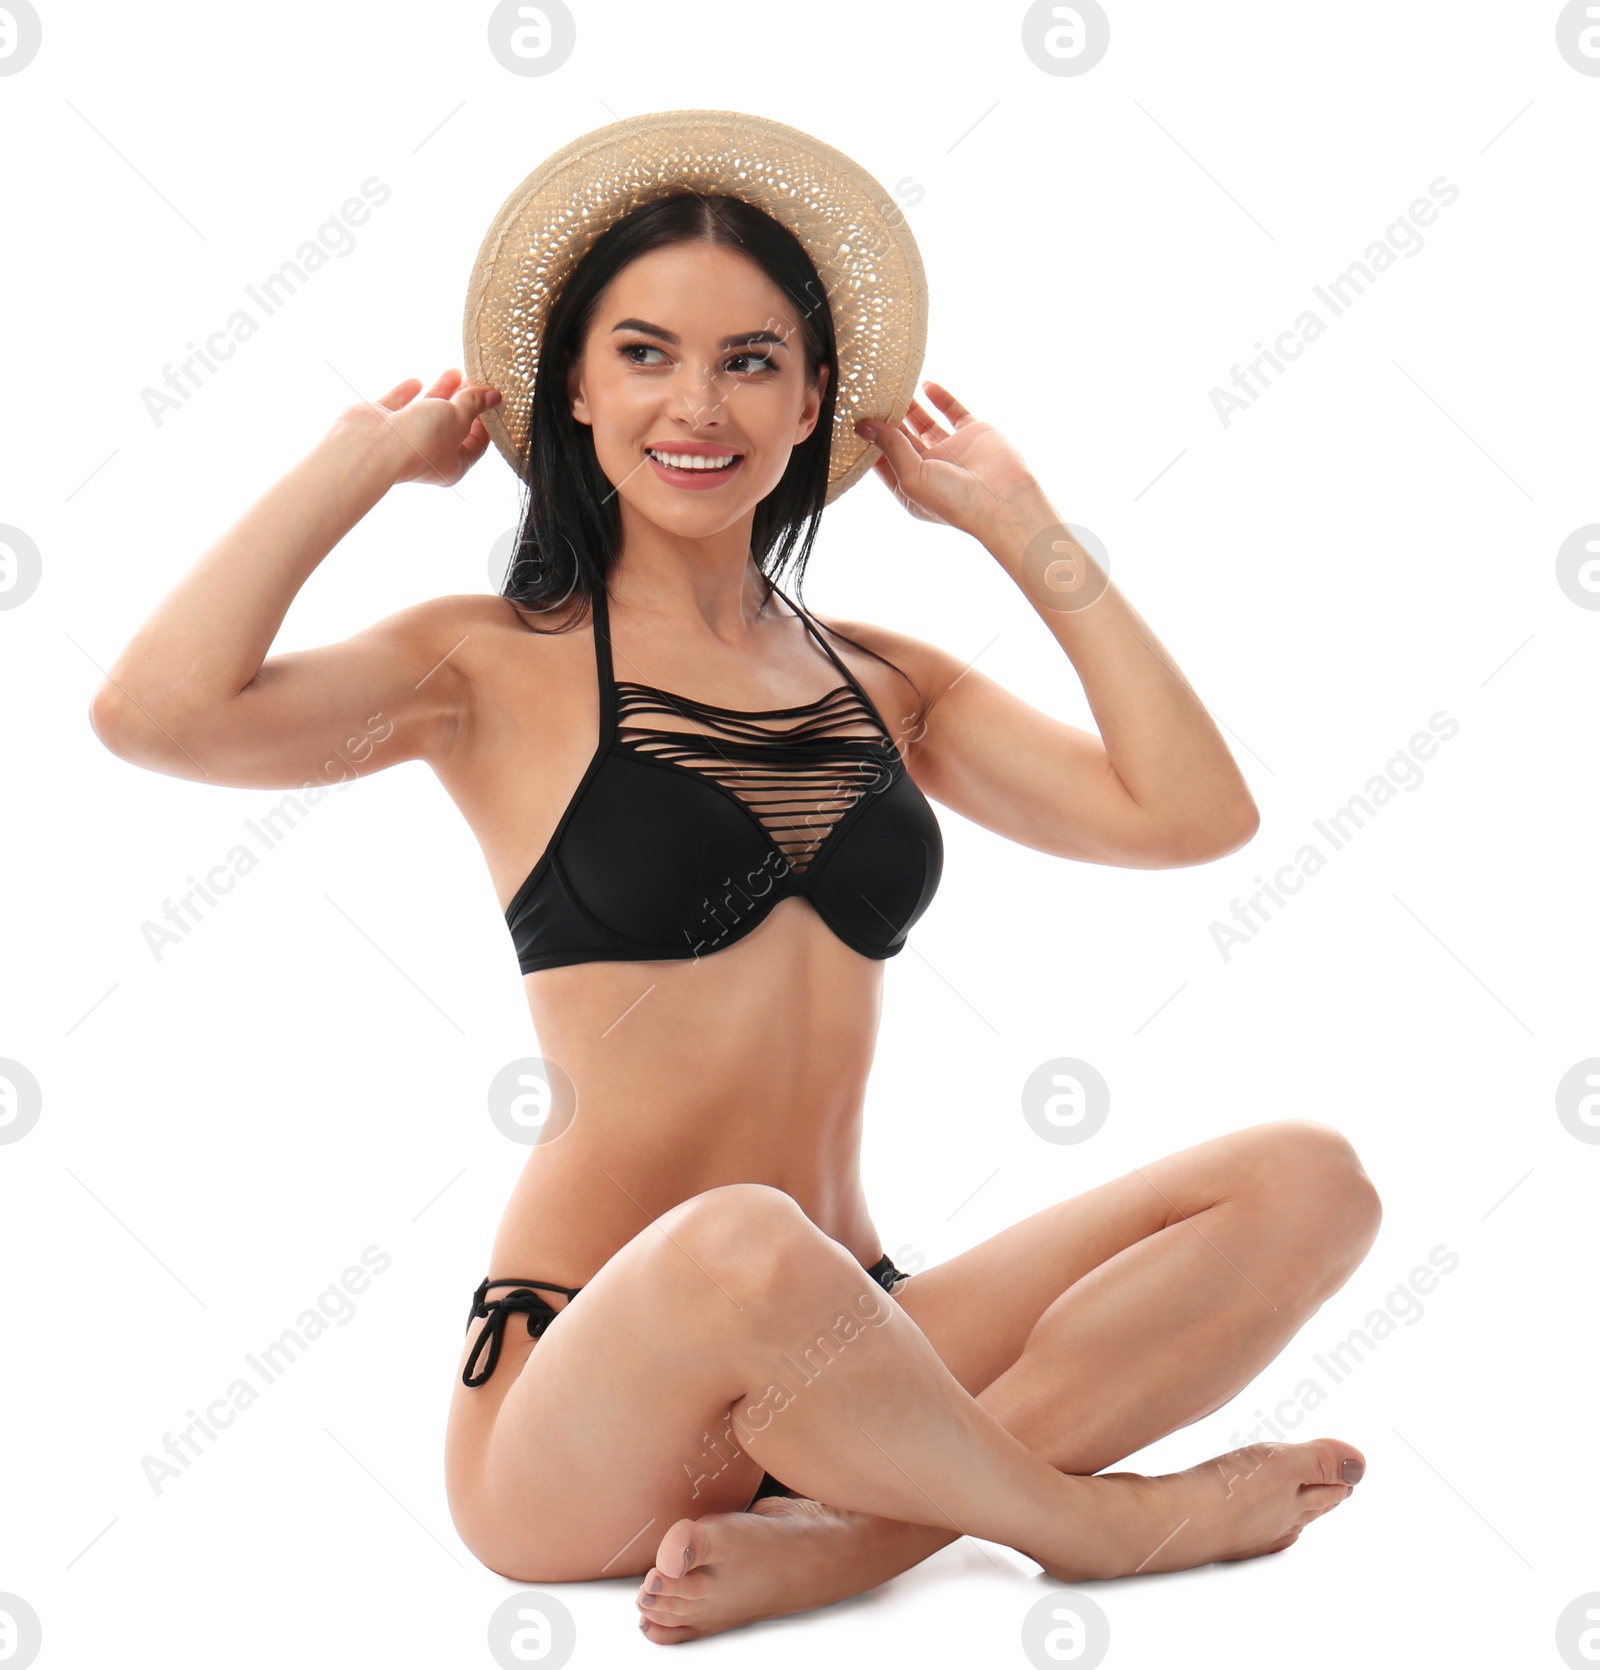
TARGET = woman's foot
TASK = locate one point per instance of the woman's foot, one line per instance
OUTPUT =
(784, 1554)
(790, 1554)
(1250, 1501)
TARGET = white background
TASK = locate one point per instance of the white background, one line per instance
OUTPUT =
(1371, 543)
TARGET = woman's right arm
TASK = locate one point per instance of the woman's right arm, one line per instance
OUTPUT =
(195, 693)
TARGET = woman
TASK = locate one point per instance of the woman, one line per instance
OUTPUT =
(707, 1300)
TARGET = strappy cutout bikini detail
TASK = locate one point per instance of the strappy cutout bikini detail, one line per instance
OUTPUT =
(799, 769)
(639, 865)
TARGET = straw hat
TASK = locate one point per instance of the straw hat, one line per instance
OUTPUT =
(848, 224)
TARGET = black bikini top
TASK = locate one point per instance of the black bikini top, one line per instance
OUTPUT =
(679, 842)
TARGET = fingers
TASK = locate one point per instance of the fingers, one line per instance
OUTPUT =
(948, 404)
(471, 400)
(475, 445)
(926, 425)
(398, 396)
(881, 469)
(902, 452)
(480, 397)
(884, 471)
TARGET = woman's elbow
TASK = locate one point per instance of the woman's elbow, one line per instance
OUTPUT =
(1205, 843)
(1236, 830)
(109, 718)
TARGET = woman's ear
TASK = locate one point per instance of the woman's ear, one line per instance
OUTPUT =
(812, 409)
(576, 399)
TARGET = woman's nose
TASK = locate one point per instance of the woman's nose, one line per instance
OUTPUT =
(704, 392)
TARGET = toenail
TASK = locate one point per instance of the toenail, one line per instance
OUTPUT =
(1352, 1470)
(653, 1587)
(688, 1557)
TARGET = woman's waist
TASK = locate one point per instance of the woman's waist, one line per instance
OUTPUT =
(576, 1204)
(783, 1018)
(777, 1108)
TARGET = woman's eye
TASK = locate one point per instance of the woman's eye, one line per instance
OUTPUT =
(756, 363)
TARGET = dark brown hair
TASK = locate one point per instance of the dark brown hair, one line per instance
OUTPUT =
(569, 526)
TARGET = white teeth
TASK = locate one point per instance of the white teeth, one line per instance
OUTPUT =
(691, 461)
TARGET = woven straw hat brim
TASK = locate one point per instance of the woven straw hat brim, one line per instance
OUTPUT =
(854, 232)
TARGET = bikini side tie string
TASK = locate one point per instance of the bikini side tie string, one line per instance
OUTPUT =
(520, 1301)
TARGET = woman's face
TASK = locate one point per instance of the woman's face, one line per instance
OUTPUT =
(694, 351)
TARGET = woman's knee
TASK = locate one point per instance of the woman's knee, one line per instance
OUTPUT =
(1306, 1156)
(1312, 1173)
(748, 1236)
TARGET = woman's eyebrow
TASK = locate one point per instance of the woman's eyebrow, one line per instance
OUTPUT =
(747, 339)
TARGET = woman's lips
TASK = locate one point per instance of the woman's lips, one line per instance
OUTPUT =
(696, 481)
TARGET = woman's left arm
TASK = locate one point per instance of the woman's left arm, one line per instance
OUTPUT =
(1158, 787)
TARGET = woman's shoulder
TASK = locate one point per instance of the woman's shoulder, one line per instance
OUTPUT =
(486, 642)
(923, 664)
(444, 619)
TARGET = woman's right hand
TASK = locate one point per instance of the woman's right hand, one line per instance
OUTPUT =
(441, 436)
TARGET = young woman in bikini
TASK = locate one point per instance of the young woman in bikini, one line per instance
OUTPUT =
(708, 837)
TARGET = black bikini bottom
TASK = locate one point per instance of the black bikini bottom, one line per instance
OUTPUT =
(523, 1300)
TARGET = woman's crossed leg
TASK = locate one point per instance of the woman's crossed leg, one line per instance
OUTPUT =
(1089, 1330)
(732, 1335)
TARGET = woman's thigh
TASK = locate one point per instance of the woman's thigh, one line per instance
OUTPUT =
(617, 1422)
(978, 1308)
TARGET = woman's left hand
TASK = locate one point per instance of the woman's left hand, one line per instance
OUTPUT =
(966, 476)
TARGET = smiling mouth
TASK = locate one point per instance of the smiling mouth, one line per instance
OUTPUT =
(699, 463)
